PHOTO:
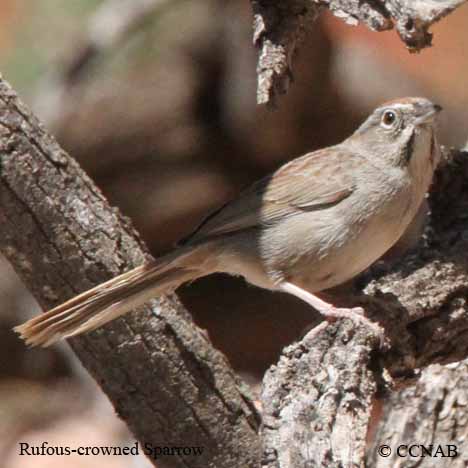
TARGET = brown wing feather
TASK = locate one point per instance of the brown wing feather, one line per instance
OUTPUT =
(311, 182)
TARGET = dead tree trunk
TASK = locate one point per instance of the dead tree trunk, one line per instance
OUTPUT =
(433, 413)
(160, 372)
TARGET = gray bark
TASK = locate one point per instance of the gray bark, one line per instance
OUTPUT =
(317, 400)
(162, 375)
(280, 27)
(433, 413)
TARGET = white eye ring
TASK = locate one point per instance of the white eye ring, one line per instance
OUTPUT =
(389, 118)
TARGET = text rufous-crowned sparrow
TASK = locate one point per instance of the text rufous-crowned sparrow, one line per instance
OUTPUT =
(314, 223)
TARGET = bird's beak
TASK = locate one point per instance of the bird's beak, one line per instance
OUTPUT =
(427, 114)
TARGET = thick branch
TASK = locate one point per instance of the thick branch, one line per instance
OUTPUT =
(161, 373)
(279, 28)
(434, 412)
(317, 400)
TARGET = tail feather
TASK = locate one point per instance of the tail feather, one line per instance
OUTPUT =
(109, 300)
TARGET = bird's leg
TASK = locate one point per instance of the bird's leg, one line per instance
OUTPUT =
(329, 311)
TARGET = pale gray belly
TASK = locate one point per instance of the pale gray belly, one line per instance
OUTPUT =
(320, 252)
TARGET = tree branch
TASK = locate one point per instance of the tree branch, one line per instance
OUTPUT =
(317, 400)
(434, 412)
(280, 27)
(160, 372)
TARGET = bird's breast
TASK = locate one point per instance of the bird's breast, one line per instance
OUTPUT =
(320, 250)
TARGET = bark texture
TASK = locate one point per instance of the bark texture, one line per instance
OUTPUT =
(161, 373)
(434, 413)
(317, 400)
(280, 27)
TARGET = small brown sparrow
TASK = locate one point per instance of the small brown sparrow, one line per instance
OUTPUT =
(314, 223)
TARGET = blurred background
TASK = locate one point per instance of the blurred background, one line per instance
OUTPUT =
(156, 100)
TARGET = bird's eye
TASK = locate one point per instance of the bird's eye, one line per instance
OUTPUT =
(389, 118)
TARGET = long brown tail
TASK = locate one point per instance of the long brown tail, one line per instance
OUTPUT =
(113, 298)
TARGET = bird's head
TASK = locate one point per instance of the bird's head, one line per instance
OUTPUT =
(403, 132)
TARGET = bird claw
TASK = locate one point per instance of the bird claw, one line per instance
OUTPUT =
(356, 315)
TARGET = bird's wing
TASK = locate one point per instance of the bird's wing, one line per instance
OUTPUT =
(312, 182)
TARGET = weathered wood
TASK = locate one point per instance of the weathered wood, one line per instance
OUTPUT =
(280, 27)
(161, 373)
(317, 399)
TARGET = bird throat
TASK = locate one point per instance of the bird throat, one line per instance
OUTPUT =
(409, 148)
(420, 157)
